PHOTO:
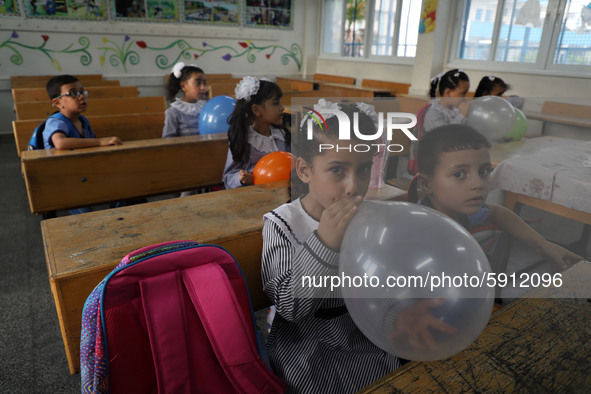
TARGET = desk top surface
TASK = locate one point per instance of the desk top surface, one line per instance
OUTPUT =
(553, 169)
(127, 145)
(92, 240)
(530, 345)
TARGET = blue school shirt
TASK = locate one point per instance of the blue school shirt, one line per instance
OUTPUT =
(469, 222)
(59, 123)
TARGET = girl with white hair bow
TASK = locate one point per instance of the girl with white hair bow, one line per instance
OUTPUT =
(182, 117)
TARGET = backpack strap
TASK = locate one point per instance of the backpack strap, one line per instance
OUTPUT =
(164, 309)
(230, 336)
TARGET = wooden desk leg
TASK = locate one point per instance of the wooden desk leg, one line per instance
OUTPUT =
(73, 365)
(511, 202)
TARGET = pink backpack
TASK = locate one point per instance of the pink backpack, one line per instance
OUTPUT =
(174, 317)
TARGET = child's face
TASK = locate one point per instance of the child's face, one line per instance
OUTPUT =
(460, 183)
(194, 88)
(456, 96)
(68, 104)
(334, 175)
(270, 111)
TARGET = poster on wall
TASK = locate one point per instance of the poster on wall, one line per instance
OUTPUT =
(218, 12)
(268, 13)
(66, 9)
(9, 8)
(147, 10)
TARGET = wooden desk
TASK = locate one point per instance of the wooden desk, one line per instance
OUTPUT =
(81, 250)
(40, 94)
(334, 89)
(534, 344)
(124, 105)
(530, 176)
(344, 90)
(58, 180)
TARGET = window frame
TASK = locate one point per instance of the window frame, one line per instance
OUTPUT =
(369, 22)
(544, 64)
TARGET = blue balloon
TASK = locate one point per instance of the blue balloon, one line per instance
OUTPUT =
(214, 115)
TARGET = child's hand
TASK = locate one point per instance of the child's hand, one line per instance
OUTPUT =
(245, 177)
(335, 219)
(414, 322)
(464, 107)
(560, 257)
(106, 141)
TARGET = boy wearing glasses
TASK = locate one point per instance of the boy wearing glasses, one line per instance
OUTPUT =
(68, 129)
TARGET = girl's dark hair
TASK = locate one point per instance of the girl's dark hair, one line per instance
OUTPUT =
(448, 138)
(307, 149)
(173, 86)
(488, 83)
(54, 85)
(449, 80)
(242, 117)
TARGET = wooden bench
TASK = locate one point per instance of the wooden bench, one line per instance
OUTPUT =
(128, 127)
(562, 114)
(40, 81)
(334, 78)
(538, 343)
(222, 89)
(40, 94)
(59, 180)
(125, 105)
(298, 85)
(81, 250)
(398, 87)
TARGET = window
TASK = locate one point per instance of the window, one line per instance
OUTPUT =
(544, 34)
(370, 28)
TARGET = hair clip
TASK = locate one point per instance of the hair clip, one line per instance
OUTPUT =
(491, 78)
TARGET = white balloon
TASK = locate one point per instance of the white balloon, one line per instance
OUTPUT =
(388, 240)
(493, 116)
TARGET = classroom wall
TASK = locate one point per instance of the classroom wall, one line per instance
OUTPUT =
(141, 54)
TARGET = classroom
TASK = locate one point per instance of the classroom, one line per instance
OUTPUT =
(401, 59)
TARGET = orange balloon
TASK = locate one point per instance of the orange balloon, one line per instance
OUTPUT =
(273, 167)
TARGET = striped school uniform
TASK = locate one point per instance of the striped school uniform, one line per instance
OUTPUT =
(314, 345)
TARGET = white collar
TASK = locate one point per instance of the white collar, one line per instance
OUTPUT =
(187, 108)
(263, 143)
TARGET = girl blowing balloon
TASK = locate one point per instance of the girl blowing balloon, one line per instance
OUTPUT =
(314, 345)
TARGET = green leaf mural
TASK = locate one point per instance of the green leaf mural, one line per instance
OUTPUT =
(16, 47)
(125, 54)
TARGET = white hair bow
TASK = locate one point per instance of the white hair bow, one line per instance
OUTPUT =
(177, 69)
(247, 87)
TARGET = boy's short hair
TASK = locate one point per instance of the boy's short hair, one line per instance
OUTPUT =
(54, 85)
(448, 138)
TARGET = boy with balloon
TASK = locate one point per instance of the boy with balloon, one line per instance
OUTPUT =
(430, 240)
(454, 173)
